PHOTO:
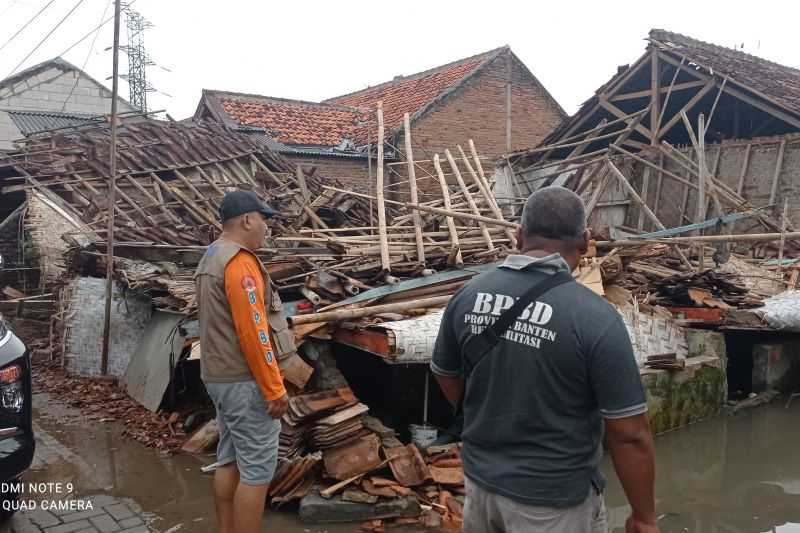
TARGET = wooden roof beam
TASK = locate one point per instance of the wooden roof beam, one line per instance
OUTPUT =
(770, 108)
(663, 90)
(617, 112)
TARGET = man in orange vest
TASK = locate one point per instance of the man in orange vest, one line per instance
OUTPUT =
(239, 365)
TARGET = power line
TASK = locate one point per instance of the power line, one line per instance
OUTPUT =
(86, 61)
(51, 32)
(79, 41)
(27, 24)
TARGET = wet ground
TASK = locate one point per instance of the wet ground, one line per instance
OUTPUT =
(729, 475)
(732, 474)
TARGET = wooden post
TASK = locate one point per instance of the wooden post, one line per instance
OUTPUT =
(645, 190)
(469, 198)
(633, 194)
(385, 262)
(111, 195)
(655, 99)
(659, 183)
(743, 172)
(487, 194)
(701, 161)
(595, 199)
(776, 176)
(451, 226)
(481, 174)
(784, 223)
(412, 183)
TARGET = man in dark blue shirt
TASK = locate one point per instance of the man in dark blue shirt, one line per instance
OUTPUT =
(536, 403)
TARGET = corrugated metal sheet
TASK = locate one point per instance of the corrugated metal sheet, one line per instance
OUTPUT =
(30, 122)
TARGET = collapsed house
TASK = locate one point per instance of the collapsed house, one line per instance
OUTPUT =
(364, 275)
(686, 159)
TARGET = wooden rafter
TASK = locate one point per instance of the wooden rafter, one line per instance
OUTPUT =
(617, 112)
(655, 99)
(771, 108)
(662, 90)
(686, 108)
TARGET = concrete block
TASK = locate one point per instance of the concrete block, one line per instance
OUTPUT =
(315, 509)
(702, 342)
(131, 522)
(678, 398)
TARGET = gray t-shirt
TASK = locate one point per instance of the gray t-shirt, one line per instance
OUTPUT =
(533, 404)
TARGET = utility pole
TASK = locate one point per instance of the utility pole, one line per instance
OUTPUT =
(112, 189)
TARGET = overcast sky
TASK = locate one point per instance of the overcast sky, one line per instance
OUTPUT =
(315, 50)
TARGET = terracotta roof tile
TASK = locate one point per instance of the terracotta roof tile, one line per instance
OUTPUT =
(409, 94)
(347, 117)
(292, 121)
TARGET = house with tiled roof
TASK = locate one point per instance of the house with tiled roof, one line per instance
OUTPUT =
(50, 95)
(653, 109)
(492, 98)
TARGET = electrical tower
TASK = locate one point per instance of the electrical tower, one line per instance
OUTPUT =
(138, 60)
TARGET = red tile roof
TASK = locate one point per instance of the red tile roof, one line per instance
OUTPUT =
(348, 117)
(290, 121)
(409, 94)
(775, 81)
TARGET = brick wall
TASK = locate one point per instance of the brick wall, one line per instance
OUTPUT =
(350, 172)
(756, 186)
(130, 314)
(478, 111)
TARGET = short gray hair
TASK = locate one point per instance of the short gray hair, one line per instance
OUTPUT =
(554, 213)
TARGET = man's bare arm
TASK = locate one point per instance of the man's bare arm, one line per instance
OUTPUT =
(452, 387)
(633, 452)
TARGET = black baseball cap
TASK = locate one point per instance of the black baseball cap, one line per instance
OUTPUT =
(239, 202)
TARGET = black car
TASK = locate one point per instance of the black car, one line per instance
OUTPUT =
(16, 429)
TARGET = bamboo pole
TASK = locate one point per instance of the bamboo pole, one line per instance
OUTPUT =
(468, 196)
(487, 194)
(451, 226)
(653, 218)
(385, 262)
(601, 186)
(784, 223)
(432, 210)
(412, 183)
(348, 314)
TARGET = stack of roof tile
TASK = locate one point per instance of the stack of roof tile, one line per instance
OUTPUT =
(321, 421)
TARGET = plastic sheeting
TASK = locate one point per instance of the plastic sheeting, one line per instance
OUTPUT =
(782, 311)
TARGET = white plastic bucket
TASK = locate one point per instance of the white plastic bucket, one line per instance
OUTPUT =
(423, 436)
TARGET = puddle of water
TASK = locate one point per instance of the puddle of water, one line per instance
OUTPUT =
(728, 475)
(96, 458)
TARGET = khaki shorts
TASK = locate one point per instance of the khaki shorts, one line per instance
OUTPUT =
(485, 512)
(247, 434)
